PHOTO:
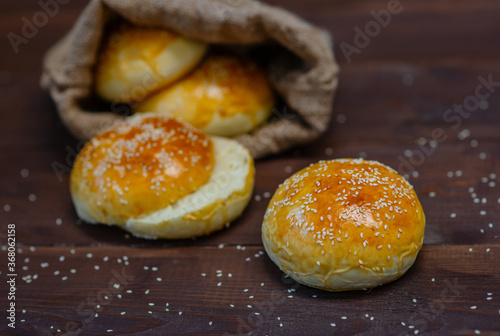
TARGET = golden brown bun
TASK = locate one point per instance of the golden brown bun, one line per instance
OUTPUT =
(344, 224)
(160, 178)
(135, 61)
(226, 96)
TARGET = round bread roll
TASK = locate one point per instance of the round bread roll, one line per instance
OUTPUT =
(226, 96)
(343, 225)
(161, 178)
(135, 61)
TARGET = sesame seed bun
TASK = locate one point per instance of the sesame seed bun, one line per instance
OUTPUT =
(226, 95)
(135, 61)
(161, 178)
(344, 224)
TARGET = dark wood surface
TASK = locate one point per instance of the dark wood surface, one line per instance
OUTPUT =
(74, 278)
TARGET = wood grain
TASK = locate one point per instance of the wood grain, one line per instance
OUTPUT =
(393, 96)
(443, 285)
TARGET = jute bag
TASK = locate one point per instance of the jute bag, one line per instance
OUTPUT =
(304, 73)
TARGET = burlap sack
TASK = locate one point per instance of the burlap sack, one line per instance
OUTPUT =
(305, 74)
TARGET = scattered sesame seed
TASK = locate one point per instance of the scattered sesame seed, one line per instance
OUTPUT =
(25, 172)
(341, 118)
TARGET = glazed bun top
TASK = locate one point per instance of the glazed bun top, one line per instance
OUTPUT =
(341, 215)
(143, 158)
(227, 95)
(134, 61)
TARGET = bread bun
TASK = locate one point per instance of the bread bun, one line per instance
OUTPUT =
(226, 96)
(134, 61)
(344, 224)
(161, 178)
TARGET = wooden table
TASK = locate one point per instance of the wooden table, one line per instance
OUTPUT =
(395, 90)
